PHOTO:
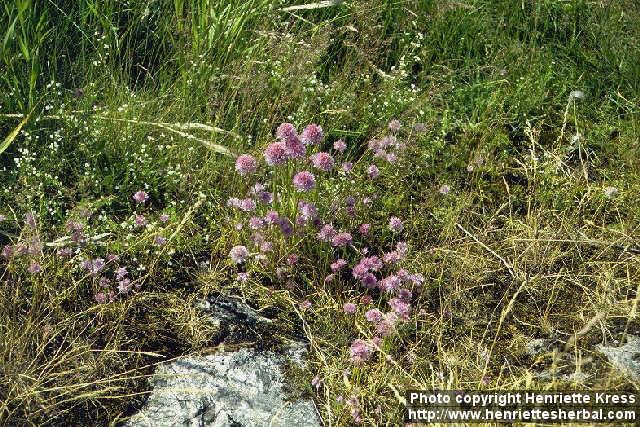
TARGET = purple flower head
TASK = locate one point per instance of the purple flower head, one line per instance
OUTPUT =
(360, 351)
(121, 273)
(34, 268)
(402, 249)
(400, 307)
(341, 239)
(104, 282)
(30, 219)
(339, 264)
(329, 278)
(101, 298)
(65, 252)
(94, 266)
(159, 241)
(364, 228)
(140, 196)
(444, 189)
(242, 277)
(286, 131)
(316, 382)
(374, 315)
(394, 125)
(369, 280)
(390, 283)
(417, 279)
(326, 233)
(266, 247)
(349, 308)
(322, 161)
(294, 148)
(140, 220)
(305, 305)
(391, 257)
(373, 171)
(392, 157)
(395, 224)
(272, 217)
(304, 181)
(276, 154)
(286, 227)
(246, 164)
(347, 167)
(339, 145)
(308, 211)
(366, 299)
(385, 328)
(238, 254)
(164, 218)
(404, 294)
(292, 259)
(312, 134)
(256, 223)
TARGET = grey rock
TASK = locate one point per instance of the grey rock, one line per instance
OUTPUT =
(235, 389)
(625, 358)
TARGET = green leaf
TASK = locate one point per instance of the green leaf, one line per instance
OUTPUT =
(9, 139)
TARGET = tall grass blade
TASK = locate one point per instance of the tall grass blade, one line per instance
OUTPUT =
(309, 6)
(9, 139)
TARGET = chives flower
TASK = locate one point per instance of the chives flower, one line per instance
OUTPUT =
(338, 265)
(305, 305)
(246, 164)
(322, 161)
(164, 218)
(140, 196)
(339, 145)
(341, 239)
(101, 298)
(400, 307)
(373, 171)
(294, 148)
(316, 382)
(256, 223)
(395, 224)
(121, 272)
(292, 259)
(373, 315)
(394, 125)
(304, 181)
(30, 219)
(286, 131)
(347, 167)
(275, 154)
(271, 217)
(360, 351)
(390, 283)
(326, 233)
(312, 135)
(159, 241)
(364, 228)
(308, 211)
(140, 220)
(349, 308)
(238, 254)
(242, 277)
(34, 268)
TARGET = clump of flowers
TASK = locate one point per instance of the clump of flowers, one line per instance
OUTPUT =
(288, 218)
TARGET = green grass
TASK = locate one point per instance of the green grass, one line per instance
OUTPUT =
(525, 245)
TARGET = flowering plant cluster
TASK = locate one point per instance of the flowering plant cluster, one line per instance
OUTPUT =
(83, 254)
(302, 211)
